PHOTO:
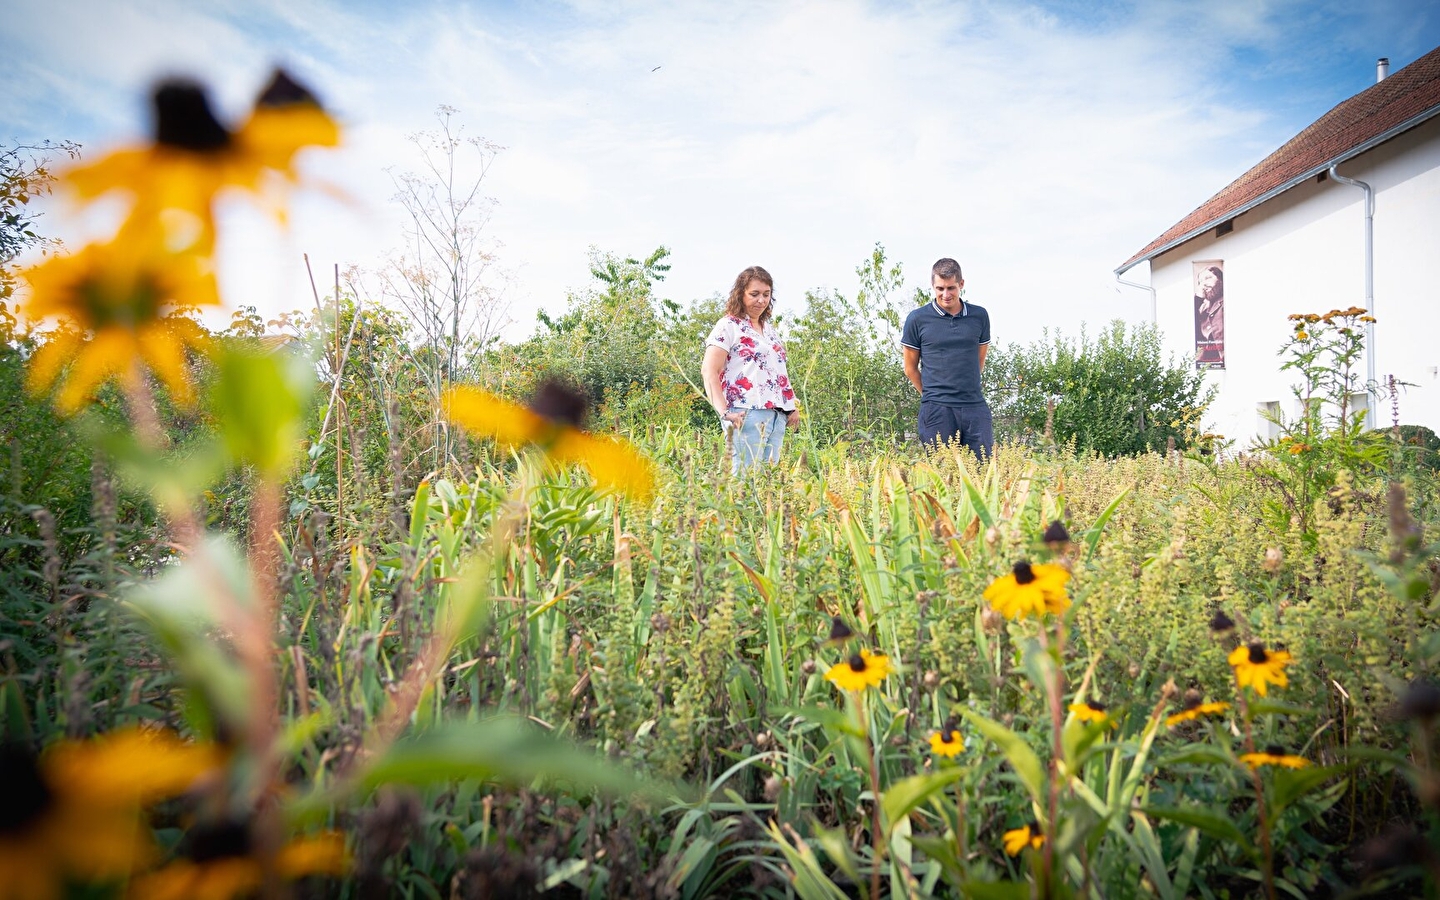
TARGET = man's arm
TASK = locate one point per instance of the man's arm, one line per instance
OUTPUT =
(984, 349)
(912, 366)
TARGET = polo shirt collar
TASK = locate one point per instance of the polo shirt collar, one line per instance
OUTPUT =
(964, 310)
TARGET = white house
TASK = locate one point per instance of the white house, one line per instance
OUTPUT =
(1290, 236)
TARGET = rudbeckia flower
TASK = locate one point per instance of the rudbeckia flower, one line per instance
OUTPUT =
(947, 741)
(73, 813)
(1017, 839)
(839, 632)
(194, 156)
(117, 300)
(218, 863)
(1274, 756)
(1092, 711)
(1256, 667)
(1195, 707)
(552, 423)
(1030, 591)
(861, 670)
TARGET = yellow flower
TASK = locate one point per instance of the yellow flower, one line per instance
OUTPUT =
(118, 302)
(1017, 839)
(221, 864)
(1256, 667)
(1274, 756)
(1030, 591)
(1092, 711)
(1302, 335)
(1194, 710)
(947, 741)
(552, 423)
(194, 156)
(861, 670)
(74, 812)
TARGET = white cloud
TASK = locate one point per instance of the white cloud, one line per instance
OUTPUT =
(1040, 152)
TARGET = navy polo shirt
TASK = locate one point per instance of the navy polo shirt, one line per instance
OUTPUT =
(949, 352)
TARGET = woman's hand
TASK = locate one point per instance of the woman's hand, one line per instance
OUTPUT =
(734, 418)
(792, 418)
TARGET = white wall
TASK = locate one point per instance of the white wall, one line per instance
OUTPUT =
(1304, 252)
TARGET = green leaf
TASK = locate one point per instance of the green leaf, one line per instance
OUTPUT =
(1278, 707)
(997, 890)
(1293, 784)
(258, 401)
(1092, 536)
(1203, 754)
(833, 719)
(1214, 824)
(1022, 759)
(905, 795)
(506, 750)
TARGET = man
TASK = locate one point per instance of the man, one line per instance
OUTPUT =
(1210, 318)
(949, 339)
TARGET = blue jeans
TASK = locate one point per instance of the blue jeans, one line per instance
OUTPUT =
(968, 425)
(758, 438)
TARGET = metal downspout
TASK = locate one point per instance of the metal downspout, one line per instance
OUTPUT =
(1371, 383)
(1154, 317)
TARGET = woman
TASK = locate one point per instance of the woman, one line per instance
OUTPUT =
(744, 373)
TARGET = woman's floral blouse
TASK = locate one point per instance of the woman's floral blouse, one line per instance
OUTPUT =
(755, 376)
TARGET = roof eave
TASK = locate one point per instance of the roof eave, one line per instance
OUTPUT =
(1353, 152)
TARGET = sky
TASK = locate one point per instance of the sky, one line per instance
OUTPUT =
(1040, 144)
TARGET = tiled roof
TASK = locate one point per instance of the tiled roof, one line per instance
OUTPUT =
(1376, 114)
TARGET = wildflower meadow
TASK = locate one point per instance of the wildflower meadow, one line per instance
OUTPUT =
(317, 608)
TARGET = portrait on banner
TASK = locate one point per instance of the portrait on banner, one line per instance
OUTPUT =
(1209, 313)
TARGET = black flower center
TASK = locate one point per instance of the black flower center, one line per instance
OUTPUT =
(1221, 622)
(285, 91)
(839, 631)
(1258, 656)
(217, 840)
(1056, 533)
(560, 403)
(857, 663)
(26, 796)
(1023, 573)
(183, 118)
(1096, 705)
(1274, 750)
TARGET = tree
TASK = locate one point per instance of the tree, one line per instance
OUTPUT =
(25, 173)
(446, 278)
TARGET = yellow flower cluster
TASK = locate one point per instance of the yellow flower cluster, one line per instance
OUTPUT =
(119, 302)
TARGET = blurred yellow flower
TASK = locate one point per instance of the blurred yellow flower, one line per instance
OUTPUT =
(1193, 711)
(1274, 756)
(946, 742)
(116, 303)
(194, 156)
(1256, 667)
(221, 865)
(1092, 711)
(552, 423)
(1030, 590)
(1017, 839)
(73, 813)
(861, 670)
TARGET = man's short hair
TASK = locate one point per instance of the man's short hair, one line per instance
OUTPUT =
(945, 268)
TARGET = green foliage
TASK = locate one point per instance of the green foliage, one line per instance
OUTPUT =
(1114, 395)
(25, 174)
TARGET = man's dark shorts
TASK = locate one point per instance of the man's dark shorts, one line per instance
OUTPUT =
(969, 425)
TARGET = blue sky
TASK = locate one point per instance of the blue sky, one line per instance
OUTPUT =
(1041, 144)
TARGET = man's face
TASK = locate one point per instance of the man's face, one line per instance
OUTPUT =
(1205, 284)
(947, 292)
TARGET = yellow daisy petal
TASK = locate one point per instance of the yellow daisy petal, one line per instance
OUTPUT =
(486, 415)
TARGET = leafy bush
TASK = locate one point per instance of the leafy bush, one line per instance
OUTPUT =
(1114, 395)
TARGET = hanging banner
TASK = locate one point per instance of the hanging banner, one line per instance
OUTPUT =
(1209, 313)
